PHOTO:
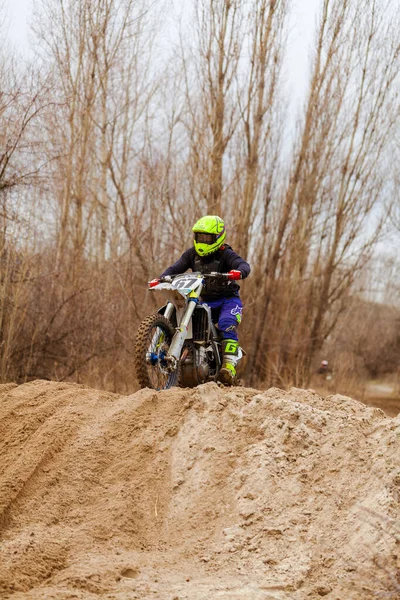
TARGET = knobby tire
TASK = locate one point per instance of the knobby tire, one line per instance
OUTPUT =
(148, 375)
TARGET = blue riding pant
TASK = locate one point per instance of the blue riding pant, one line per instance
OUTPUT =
(227, 312)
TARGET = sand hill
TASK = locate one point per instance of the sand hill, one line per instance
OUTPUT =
(201, 494)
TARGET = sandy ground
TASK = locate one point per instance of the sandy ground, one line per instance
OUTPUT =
(201, 494)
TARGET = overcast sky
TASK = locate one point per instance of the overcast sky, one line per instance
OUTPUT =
(19, 12)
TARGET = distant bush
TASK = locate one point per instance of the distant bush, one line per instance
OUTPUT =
(368, 334)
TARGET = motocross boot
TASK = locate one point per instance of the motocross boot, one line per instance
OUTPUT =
(230, 357)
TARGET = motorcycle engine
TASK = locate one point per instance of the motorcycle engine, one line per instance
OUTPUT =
(194, 369)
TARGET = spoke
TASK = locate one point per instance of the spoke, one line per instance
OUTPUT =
(157, 342)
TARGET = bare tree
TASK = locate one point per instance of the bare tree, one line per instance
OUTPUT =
(130, 154)
(260, 111)
(212, 113)
(103, 97)
(338, 178)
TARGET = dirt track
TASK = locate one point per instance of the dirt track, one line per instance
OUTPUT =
(195, 494)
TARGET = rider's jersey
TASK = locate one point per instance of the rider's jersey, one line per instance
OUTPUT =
(222, 261)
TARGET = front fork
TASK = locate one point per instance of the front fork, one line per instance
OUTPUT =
(169, 309)
(179, 338)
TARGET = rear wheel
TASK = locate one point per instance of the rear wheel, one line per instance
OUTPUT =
(153, 340)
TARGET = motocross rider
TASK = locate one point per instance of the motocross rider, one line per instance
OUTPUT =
(211, 254)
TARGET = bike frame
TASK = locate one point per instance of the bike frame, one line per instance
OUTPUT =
(183, 294)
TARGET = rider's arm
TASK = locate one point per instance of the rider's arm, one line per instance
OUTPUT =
(181, 265)
(236, 263)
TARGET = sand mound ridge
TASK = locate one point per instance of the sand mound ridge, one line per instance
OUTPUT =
(196, 494)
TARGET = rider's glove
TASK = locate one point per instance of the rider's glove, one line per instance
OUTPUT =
(233, 275)
(167, 278)
(153, 282)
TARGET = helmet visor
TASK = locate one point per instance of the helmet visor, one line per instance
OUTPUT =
(205, 238)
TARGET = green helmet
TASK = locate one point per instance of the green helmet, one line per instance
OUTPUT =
(209, 234)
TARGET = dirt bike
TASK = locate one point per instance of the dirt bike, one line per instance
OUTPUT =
(179, 345)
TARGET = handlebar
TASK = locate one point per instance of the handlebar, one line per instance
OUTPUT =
(213, 275)
(216, 275)
(231, 276)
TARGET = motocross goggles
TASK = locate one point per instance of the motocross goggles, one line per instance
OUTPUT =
(205, 238)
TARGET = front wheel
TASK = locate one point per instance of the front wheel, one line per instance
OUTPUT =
(153, 340)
